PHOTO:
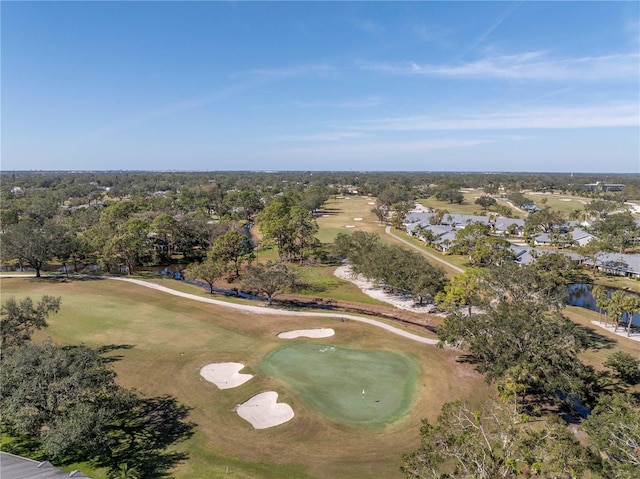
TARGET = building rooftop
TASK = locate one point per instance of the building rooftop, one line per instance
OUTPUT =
(17, 467)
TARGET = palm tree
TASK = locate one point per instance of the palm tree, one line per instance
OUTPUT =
(126, 472)
(617, 307)
(631, 305)
(601, 296)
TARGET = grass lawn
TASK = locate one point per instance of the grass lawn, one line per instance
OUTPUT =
(618, 282)
(351, 386)
(166, 340)
(318, 281)
(468, 206)
(605, 342)
(565, 204)
(455, 259)
(340, 212)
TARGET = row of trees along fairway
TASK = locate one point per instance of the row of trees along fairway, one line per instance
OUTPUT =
(396, 268)
(62, 403)
(529, 350)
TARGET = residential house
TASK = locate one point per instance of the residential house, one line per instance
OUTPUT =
(618, 264)
(17, 467)
(508, 226)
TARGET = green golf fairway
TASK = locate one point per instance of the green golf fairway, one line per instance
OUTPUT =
(353, 386)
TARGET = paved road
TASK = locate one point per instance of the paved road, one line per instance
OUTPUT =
(263, 309)
(411, 245)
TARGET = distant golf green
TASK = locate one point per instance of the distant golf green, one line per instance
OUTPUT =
(355, 386)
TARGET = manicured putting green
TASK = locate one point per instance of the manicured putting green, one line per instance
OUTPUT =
(354, 386)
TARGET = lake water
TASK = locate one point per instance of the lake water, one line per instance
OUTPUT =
(580, 295)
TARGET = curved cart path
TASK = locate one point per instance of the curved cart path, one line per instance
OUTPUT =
(262, 309)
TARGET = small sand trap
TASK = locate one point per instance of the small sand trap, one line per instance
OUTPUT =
(262, 411)
(225, 375)
(308, 333)
(325, 216)
(371, 203)
(349, 226)
(357, 219)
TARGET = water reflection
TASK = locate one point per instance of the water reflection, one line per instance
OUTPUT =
(580, 295)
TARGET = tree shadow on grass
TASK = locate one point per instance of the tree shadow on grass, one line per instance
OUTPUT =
(108, 348)
(467, 359)
(21, 445)
(328, 211)
(145, 432)
(594, 340)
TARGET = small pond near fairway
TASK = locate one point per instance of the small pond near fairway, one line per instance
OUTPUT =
(580, 295)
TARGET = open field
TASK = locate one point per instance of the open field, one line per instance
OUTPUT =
(468, 206)
(340, 212)
(565, 204)
(168, 340)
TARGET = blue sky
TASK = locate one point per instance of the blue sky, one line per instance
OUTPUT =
(416, 86)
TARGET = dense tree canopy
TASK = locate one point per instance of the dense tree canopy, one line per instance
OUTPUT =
(494, 442)
(20, 318)
(269, 279)
(290, 226)
(31, 243)
(394, 267)
(522, 342)
(614, 428)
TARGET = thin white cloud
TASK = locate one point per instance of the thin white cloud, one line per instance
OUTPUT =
(254, 77)
(535, 65)
(488, 32)
(430, 33)
(321, 137)
(168, 110)
(288, 71)
(362, 103)
(370, 26)
(600, 116)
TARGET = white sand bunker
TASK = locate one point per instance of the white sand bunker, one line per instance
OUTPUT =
(357, 219)
(349, 226)
(262, 410)
(371, 203)
(225, 375)
(308, 333)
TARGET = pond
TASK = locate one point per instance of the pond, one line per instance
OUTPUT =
(580, 295)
